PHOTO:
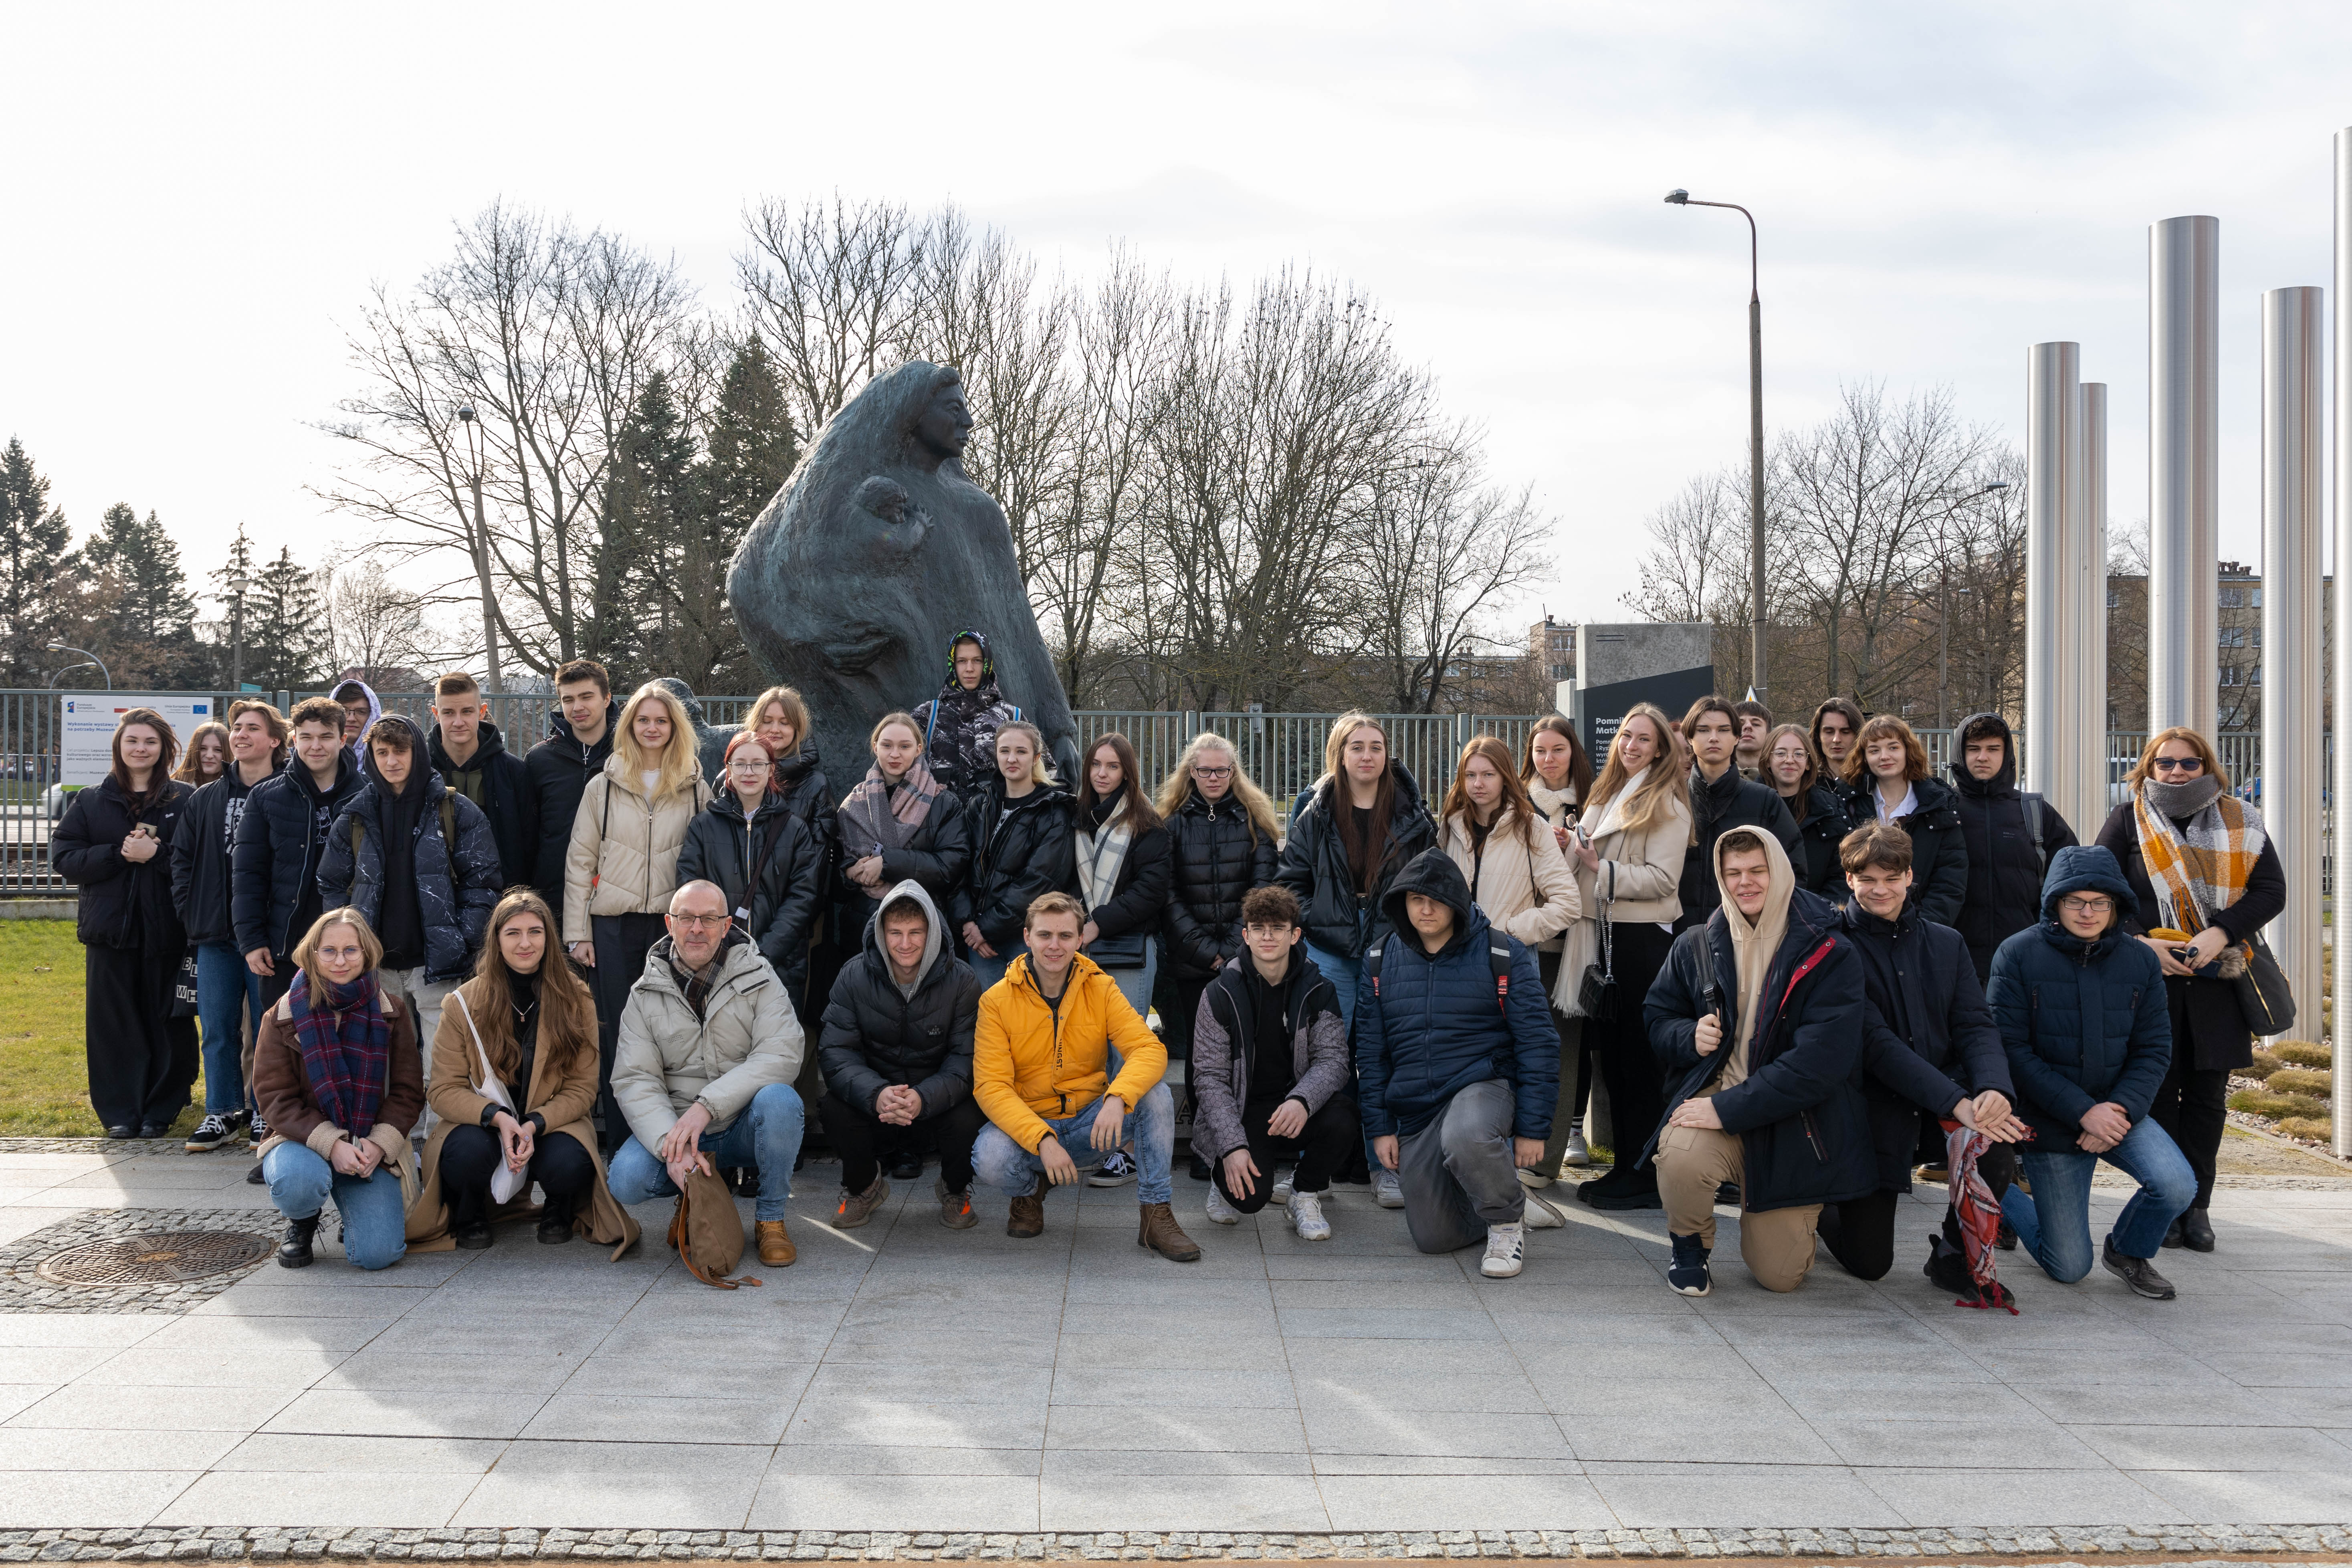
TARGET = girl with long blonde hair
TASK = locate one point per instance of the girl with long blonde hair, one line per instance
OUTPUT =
(1222, 842)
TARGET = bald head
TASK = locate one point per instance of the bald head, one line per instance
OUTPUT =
(697, 923)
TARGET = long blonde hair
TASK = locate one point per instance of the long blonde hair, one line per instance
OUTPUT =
(1041, 761)
(1659, 790)
(796, 714)
(680, 768)
(567, 1013)
(1180, 787)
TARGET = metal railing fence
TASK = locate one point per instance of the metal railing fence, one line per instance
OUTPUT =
(1282, 752)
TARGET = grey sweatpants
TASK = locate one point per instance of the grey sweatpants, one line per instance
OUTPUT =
(1457, 1173)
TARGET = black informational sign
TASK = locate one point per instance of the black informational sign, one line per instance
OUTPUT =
(1599, 708)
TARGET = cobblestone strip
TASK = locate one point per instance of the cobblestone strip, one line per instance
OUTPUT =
(2200, 1544)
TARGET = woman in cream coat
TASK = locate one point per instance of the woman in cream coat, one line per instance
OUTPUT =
(1628, 859)
(622, 866)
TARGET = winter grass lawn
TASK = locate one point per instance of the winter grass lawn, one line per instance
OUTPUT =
(44, 1078)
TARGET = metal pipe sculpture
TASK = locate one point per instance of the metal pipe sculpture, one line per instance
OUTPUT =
(2184, 423)
(2054, 406)
(2294, 514)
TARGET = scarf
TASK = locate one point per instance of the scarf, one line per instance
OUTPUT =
(880, 816)
(1581, 947)
(1754, 944)
(1101, 852)
(1979, 1216)
(346, 1044)
(1558, 806)
(1709, 801)
(2203, 868)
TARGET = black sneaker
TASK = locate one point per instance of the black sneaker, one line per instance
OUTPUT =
(907, 1167)
(2196, 1230)
(1947, 1268)
(1623, 1196)
(1117, 1171)
(2137, 1272)
(1688, 1271)
(2172, 1237)
(213, 1131)
(473, 1236)
(254, 1178)
(2005, 1237)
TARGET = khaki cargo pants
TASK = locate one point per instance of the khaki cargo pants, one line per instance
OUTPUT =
(1777, 1245)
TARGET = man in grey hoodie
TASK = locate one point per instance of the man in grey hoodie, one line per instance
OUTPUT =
(896, 1048)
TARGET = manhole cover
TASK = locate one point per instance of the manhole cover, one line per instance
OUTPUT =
(155, 1258)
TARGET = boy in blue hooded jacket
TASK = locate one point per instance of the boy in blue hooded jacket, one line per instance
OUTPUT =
(2081, 1012)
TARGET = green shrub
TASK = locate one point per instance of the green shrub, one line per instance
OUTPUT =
(2300, 1080)
(2304, 1054)
(2264, 1064)
(2319, 1127)
(2276, 1107)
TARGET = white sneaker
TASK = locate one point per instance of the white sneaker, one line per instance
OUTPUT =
(1540, 1215)
(1283, 1188)
(1386, 1191)
(1505, 1245)
(1307, 1217)
(1220, 1210)
(1577, 1153)
(1533, 1176)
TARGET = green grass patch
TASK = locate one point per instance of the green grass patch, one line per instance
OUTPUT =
(2303, 1053)
(2276, 1107)
(44, 1074)
(2300, 1080)
(2319, 1129)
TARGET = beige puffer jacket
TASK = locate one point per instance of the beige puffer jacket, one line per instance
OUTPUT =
(623, 854)
(1533, 896)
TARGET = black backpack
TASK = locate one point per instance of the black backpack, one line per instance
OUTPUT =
(1498, 958)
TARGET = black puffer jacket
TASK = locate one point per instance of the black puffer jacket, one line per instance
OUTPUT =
(778, 911)
(1716, 808)
(1216, 856)
(2005, 869)
(557, 771)
(1931, 1040)
(1139, 898)
(801, 781)
(199, 857)
(1024, 856)
(456, 886)
(1314, 865)
(499, 783)
(876, 1036)
(125, 903)
(1939, 854)
(1818, 835)
(937, 854)
(1803, 1125)
(274, 867)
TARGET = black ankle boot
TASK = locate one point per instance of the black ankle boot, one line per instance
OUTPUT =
(2196, 1230)
(555, 1224)
(294, 1252)
(473, 1235)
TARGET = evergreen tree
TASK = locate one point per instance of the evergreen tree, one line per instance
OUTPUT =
(35, 551)
(152, 602)
(651, 511)
(287, 634)
(752, 447)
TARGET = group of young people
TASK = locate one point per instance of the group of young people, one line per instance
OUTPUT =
(1757, 962)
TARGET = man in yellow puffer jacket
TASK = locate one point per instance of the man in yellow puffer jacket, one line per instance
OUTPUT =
(1041, 1069)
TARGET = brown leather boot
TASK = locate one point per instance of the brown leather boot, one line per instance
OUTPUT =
(1028, 1216)
(1156, 1229)
(776, 1249)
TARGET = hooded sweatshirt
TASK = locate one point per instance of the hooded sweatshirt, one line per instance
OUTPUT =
(880, 1031)
(1754, 942)
(1998, 824)
(959, 726)
(343, 692)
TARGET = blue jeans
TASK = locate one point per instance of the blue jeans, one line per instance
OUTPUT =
(1343, 974)
(2055, 1224)
(768, 1134)
(223, 982)
(376, 1216)
(991, 969)
(1135, 984)
(1003, 1164)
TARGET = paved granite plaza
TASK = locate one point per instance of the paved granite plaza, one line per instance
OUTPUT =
(907, 1378)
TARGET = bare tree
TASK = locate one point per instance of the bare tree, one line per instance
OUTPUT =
(838, 291)
(373, 621)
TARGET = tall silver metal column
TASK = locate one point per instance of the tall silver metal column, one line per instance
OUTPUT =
(2293, 517)
(2087, 526)
(2054, 411)
(2340, 781)
(2184, 426)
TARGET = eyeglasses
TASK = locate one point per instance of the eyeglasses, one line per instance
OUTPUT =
(699, 922)
(2176, 765)
(2086, 906)
(1202, 772)
(1268, 931)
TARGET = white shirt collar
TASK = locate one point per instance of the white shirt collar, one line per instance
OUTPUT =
(1904, 807)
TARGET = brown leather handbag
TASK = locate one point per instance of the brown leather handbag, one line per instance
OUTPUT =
(707, 1230)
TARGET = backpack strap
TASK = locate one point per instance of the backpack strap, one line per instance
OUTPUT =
(1498, 958)
(1372, 966)
(449, 825)
(2034, 806)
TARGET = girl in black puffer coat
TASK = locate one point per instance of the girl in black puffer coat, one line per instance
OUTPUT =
(764, 857)
(115, 844)
(1897, 788)
(1021, 848)
(1222, 842)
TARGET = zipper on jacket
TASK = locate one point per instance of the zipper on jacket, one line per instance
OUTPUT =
(1813, 1136)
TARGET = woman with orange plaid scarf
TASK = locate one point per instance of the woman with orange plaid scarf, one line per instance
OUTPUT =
(2208, 879)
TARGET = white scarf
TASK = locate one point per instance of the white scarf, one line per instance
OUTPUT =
(1100, 856)
(1613, 816)
(1581, 949)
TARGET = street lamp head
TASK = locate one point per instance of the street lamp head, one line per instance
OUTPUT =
(1998, 485)
(465, 412)
(54, 646)
(1677, 196)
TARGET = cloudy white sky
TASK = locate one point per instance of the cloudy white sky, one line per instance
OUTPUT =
(200, 197)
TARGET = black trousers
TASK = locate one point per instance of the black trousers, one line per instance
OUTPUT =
(1860, 1232)
(1185, 1008)
(622, 942)
(1322, 1144)
(2192, 1107)
(1637, 1085)
(470, 1156)
(142, 1060)
(858, 1137)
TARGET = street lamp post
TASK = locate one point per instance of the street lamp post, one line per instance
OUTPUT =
(481, 552)
(1682, 198)
(238, 585)
(57, 647)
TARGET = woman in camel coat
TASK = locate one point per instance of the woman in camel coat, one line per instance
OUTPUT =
(530, 1025)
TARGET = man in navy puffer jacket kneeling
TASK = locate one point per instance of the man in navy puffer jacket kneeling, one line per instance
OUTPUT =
(1459, 1064)
(2082, 1012)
